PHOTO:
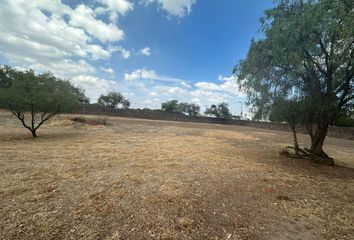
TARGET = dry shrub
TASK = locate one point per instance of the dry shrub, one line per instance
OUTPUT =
(60, 123)
(89, 121)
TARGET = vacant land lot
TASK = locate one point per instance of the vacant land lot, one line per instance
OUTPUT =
(140, 179)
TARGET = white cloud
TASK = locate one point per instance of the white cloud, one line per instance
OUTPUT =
(175, 90)
(140, 74)
(84, 17)
(107, 70)
(208, 86)
(186, 85)
(53, 6)
(64, 68)
(94, 86)
(202, 93)
(115, 7)
(146, 51)
(144, 74)
(223, 78)
(124, 52)
(228, 86)
(47, 35)
(175, 7)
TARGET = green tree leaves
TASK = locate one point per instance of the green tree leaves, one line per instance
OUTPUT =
(220, 111)
(190, 109)
(113, 100)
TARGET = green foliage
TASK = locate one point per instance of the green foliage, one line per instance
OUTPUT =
(220, 111)
(307, 52)
(291, 111)
(345, 119)
(190, 109)
(25, 92)
(307, 49)
(171, 106)
(44, 94)
(113, 100)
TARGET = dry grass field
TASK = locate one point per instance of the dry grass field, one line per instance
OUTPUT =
(141, 179)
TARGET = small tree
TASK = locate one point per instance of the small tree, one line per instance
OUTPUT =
(37, 97)
(220, 111)
(113, 100)
(192, 109)
(291, 111)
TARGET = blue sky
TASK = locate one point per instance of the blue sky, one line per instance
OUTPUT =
(150, 50)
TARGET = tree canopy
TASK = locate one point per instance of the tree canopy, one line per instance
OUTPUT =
(170, 106)
(190, 109)
(113, 100)
(307, 52)
(42, 96)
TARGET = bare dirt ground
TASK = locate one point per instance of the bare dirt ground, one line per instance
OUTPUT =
(141, 179)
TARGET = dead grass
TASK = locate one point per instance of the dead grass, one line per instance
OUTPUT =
(140, 179)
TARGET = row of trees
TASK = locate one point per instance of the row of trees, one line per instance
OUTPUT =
(303, 68)
(36, 98)
(174, 106)
(221, 110)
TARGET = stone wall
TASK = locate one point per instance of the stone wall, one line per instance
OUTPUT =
(338, 132)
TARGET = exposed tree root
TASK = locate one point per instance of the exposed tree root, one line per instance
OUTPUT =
(305, 153)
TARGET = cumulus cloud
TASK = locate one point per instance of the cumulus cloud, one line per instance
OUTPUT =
(107, 70)
(44, 32)
(155, 91)
(175, 7)
(228, 86)
(145, 74)
(94, 86)
(84, 17)
(146, 51)
(124, 52)
(115, 8)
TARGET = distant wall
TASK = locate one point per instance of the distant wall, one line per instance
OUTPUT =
(339, 132)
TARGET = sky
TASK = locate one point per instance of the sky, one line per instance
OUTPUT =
(149, 50)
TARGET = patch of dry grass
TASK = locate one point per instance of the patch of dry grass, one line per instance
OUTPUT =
(140, 179)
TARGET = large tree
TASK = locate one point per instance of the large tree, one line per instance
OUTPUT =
(113, 100)
(34, 99)
(307, 51)
(219, 111)
(191, 109)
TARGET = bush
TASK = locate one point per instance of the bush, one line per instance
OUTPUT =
(344, 121)
(93, 122)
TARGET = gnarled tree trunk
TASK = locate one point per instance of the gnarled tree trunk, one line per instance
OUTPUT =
(317, 141)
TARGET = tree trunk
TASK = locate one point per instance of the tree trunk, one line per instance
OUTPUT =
(317, 141)
(296, 143)
(34, 134)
